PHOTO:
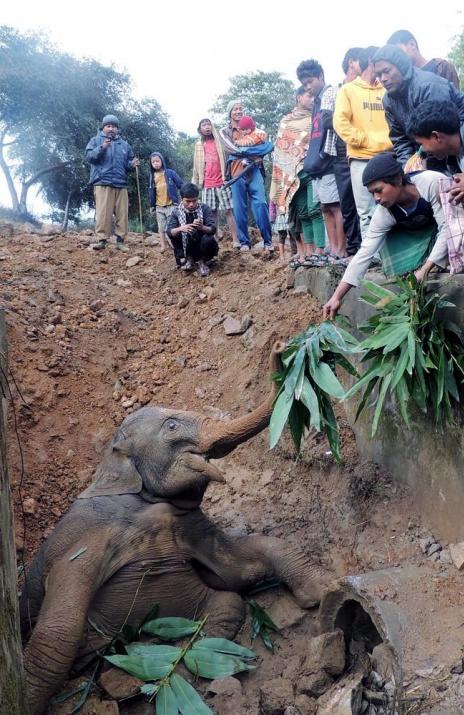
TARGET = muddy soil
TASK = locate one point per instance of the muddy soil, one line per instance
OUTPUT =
(92, 339)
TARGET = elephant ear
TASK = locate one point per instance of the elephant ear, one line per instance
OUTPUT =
(116, 474)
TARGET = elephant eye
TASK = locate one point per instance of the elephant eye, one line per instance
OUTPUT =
(172, 425)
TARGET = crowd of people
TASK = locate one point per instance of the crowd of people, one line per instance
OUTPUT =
(370, 171)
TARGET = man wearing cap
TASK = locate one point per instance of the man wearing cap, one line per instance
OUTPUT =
(407, 87)
(408, 226)
(111, 159)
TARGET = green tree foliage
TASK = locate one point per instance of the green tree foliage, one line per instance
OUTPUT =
(50, 105)
(457, 55)
(266, 96)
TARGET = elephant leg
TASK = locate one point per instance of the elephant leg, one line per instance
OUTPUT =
(238, 564)
(226, 612)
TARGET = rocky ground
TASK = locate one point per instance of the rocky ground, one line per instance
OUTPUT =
(93, 336)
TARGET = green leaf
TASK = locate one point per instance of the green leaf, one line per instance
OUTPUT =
(412, 350)
(374, 372)
(327, 381)
(365, 397)
(149, 668)
(331, 428)
(170, 629)
(401, 365)
(381, 399)
(441, 377)
(188, 700)
(149, 689)
(376, 290)
(402, 395)
(296, 423)
(346, 365)
(299, 384)
(210, 664)
(279, 417)
(261, 624)
(310, 401)
(294, 372)
(163, 653)
(166, 701)
(223, 645)
(396, 339)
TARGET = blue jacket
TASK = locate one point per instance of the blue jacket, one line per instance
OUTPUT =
(173, 181)
(109, 166)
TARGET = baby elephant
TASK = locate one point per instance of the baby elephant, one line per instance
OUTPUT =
(137, 537)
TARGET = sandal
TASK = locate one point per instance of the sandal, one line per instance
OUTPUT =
(295, 263)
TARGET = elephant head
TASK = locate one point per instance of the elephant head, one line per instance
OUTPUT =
(164, 454)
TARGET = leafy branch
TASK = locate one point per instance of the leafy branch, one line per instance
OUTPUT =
(308, 382)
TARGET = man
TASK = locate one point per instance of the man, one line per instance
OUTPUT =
(406, 41)
(209, 173)
(111, 158)
(359, 120)
(250, 185)
(291, 188)
(436, 126)
(191, 229)
(322, 152)
(350, 63)
(407, 87)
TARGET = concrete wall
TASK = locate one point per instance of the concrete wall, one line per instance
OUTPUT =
(11, 676)
(429, 462)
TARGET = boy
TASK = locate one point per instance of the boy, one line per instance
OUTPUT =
(191, 229)
(163, 194)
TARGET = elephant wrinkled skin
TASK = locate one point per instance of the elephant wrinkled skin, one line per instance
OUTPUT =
(137, 536)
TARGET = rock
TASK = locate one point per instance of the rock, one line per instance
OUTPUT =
(458, 669)
(123, 283)
(86, 232)
(142, 395)
(275, 696)
(445, 557)
(285, 612)
(291, 710)
(118, 684)
(232, 326)
(95, 706)
(183, 303)
(30, 506)
(457, 555)
(215, 320)
(290, 281)
(326, 652)
(133, 261)
(315, 684)
(345, 698)
(202, 297)
(96, 305)
(306, 705)
(382, 660)
(225, 686)
(377, 680)
(200, 393)
(433, 549)
(29, 228)
(266, 477)
(425, 542)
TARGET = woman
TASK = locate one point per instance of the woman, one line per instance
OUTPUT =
(250, 184)
(407, 227)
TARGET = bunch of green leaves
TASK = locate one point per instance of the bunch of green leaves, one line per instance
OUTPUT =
(413, 353)
(308, 382)
(261, 625)
(156, 663)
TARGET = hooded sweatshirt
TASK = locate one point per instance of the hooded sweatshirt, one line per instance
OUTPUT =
(172, 181)
(359, 119)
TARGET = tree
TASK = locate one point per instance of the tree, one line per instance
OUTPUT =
(266, 96)
(183, 155)
(457, 55)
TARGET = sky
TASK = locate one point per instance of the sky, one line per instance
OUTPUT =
(183, 53)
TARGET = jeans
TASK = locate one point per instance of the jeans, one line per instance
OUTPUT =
(251, 185)
(365, 203)
(200, 247)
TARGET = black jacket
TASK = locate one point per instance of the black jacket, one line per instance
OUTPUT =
(418, 87)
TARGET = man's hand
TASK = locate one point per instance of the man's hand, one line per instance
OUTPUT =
(331, 308)
(135, 162)
(199, 225)
(456, 192)
(106, 143)
(187, 228)
(420, 274)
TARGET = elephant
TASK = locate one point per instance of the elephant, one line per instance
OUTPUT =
(138, 537)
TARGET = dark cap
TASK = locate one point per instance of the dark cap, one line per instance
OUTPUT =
(382, 166)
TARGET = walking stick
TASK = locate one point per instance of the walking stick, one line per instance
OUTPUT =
(140, 208)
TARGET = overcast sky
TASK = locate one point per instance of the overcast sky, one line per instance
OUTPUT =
(183, 53)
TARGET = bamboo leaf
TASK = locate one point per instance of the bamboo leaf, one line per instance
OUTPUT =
(327, 381)
(170, 629)
(296, 423)
(166, 701)
(282, 407)
(401, 365)
(411, 350)
(223, 645)
(209, 664)
(403, 396)
(376, 290)
(162, 653)
(149, 668)
(188, 700)
(310, 401)
(441, 378)
(331, 428)
(365, 397)
(293, 374)
(381, 399)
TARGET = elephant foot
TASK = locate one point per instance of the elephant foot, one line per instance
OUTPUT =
(226, 613)
(309, 592)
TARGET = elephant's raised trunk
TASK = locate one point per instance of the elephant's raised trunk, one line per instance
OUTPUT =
(218, 439)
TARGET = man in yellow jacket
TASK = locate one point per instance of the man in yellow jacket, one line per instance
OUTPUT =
(359, 119)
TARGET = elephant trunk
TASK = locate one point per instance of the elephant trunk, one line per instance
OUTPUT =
(217, 439)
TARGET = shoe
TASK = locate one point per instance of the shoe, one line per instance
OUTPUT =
(203, 269)
(318, 261)
(100, 245)
(120, 246)
(260, 244)
(244, 249)
(269, 248)
(187, 265)
(236, 244)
